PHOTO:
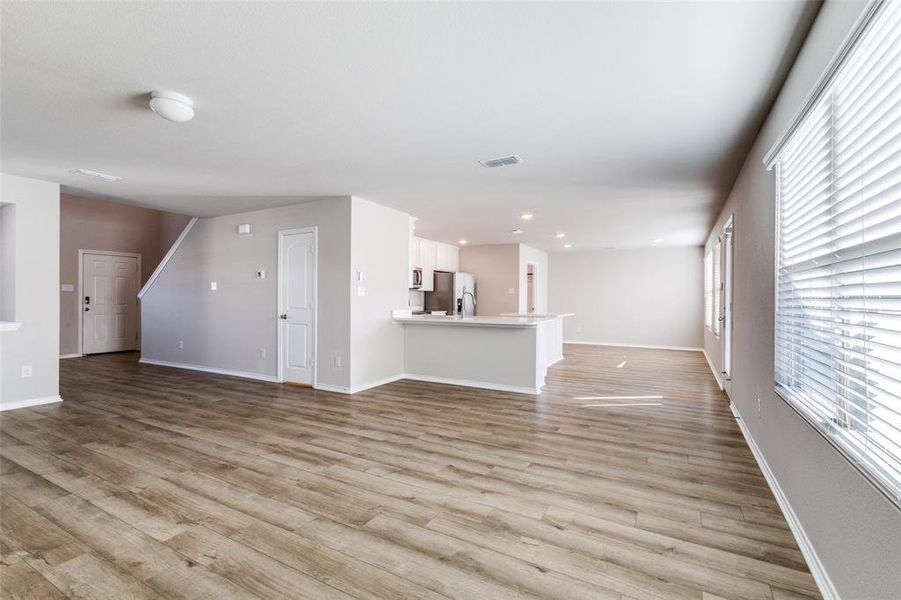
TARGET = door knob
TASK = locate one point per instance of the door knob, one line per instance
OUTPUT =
(86, 309)
(283, 317)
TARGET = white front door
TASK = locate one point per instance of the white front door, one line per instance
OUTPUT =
(109, 303)
(297, 299)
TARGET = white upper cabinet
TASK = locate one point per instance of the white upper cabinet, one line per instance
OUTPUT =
(431, 256)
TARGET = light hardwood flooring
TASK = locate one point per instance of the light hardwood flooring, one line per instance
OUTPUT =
(152, 482)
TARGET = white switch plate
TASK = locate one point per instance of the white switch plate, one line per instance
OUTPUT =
(361, 291)
(214, 286)
(511, 291)
(262, 353)
(26, 370)
(338, 362)
(67, 287)
(181, 345)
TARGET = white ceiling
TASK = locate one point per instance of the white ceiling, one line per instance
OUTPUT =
(632, 118)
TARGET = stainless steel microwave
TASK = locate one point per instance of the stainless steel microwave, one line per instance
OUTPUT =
(417, 278)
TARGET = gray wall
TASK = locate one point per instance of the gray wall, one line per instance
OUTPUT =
(854, 530)
(380, 250)
(36, 259)
(641, 297)
(227, 328)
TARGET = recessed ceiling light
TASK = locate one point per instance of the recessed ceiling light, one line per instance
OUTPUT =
(526, 216)
(96, 175)
(503, 161)
(516, 231)
(567, 245)
(657, 241)
(561, 235)
(172, 106)
(462, 242)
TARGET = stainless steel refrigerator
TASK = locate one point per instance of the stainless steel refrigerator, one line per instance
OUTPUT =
(449, 291)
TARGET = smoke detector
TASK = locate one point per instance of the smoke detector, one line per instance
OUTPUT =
(172, 106)
(503, 161)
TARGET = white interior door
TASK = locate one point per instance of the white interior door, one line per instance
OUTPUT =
(110, 303)
(297, 316)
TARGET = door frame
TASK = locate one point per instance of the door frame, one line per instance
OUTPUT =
(535, 295)
(278, 299)
(79, 302)
(727, 300)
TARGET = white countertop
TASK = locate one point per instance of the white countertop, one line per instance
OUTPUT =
(548, 315)
(498, 321)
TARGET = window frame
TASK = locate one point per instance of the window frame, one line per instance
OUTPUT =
(841, 438)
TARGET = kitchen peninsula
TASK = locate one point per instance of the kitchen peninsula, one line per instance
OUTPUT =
(508, 353)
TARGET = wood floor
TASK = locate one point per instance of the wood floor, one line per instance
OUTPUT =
(156, 482)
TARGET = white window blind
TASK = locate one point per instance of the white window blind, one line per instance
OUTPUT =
(708, 290)
(838, 281)
(717, 285)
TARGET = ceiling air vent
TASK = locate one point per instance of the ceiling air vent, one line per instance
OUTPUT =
(501, 162)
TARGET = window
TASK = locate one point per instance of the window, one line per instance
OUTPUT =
(838, 279)
(708, 291)
(717, 285)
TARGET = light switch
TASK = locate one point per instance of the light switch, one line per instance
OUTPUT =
(360, 276)
(361, 291)
(214, 286)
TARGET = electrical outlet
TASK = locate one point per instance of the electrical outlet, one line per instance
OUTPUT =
(337, 361)
(181, 345)
(214, 286)
(579, 329)
(262, 353)
(26, 370)
(361, 291)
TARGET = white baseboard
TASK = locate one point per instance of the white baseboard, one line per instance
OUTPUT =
(554, 362)
(327, 387)
(28, 403)
(817, 570)
(686, 348)
(716, 375)
(229, 372)
(65, 356)
(359, 388)
(476, 384)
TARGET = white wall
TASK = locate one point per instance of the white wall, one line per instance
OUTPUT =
(7, 262)
(227, 328)
(642, 297)
(380, 250)
(539, 258)
(36, 307)
(854, 531)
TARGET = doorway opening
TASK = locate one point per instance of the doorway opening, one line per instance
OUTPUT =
(297, 268)
(108, 284)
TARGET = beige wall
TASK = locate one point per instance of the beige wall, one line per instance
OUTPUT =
(90, 224)
(496, 268)
(854, 530)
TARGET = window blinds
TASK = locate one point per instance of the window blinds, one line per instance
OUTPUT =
(717, 285)
(708, 290)
(838, 280)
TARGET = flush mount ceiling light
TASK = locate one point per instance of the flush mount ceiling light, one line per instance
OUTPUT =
(560, 235)
(96, 175)
(526, 216)
(567, 245)
(502, 161)
(657, 241)
(516, 231)
(172, 106)
(462, 242)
